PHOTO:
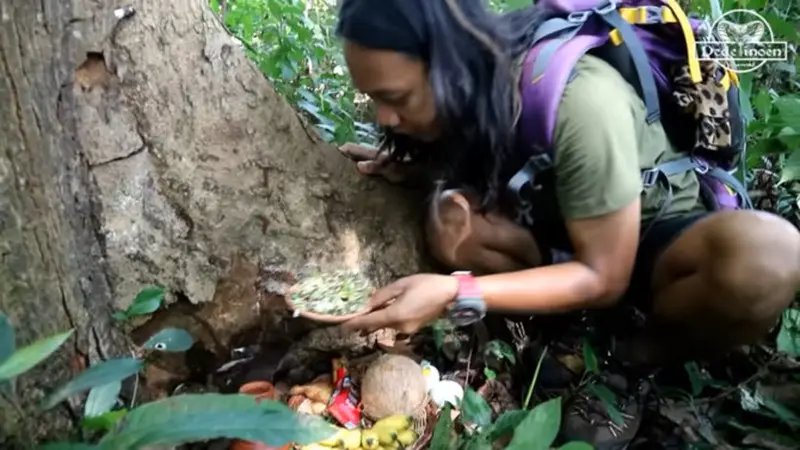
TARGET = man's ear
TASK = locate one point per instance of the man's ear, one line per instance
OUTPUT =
(449, 225)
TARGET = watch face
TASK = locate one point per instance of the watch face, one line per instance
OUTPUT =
(467, 312)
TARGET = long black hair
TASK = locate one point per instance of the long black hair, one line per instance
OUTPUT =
(472, 54)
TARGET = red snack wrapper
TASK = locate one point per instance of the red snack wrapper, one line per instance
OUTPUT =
(344, 402)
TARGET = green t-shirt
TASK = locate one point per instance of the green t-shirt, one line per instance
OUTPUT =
(602, 143)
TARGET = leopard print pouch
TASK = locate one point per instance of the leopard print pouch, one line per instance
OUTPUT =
(706, 103)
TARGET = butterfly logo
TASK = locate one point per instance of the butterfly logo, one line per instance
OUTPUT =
(748, 33)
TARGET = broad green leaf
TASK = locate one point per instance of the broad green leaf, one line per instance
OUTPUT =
(101, 399)
(477, 442)
(506, 423)
(790, 137)
(609, 401)
(442, 432)
(170, 340)
(120, 315)
(66, 446)
(695, 377)
(98, 375)
(29, 356)
(791, 167)
(199, 417)
(788, 340)
(590, 358)
(763, 104)
(147, 301)
(7, 339)
(788, 107)
(539, 428)
(475, 409)
(576, 445)
(745, 92)
(501, 350)
(103, 422)
(783, 29)
(784, 414)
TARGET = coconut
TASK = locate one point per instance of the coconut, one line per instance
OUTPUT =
(393, 384)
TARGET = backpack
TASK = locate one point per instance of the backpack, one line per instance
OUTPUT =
(652, 44)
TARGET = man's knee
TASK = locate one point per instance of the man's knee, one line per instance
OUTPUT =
(730, 276)
(753, 260)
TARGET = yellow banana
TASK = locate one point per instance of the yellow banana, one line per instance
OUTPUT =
(351, 439)
(396, 422)
(385, 434)
(369, 440)
(407, 437)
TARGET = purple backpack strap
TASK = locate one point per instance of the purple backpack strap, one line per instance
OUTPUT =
(560, 42)
(578, 26)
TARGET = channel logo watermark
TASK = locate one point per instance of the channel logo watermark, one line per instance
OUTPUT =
(745, 42)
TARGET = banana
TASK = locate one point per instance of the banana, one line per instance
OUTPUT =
(385, 434)
(407, 437)
(369, 440)
(351, 439)
(396, 422)
(393, 446)
(343, 439)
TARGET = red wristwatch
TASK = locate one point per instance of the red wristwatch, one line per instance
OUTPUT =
(469, 306)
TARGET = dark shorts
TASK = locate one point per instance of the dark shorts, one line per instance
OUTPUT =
(658, 238)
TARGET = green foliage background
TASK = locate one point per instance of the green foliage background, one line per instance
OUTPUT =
(293, 43)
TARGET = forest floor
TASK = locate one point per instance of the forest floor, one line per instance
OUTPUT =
(746, 400)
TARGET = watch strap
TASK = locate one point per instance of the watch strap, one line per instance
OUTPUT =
(469, 306)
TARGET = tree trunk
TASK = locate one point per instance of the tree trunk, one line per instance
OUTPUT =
(140, 146)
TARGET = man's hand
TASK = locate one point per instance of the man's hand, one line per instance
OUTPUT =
(408, 304)
(370, 161)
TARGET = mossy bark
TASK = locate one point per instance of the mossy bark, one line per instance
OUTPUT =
(139, 146)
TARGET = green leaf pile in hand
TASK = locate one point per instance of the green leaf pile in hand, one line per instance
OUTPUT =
(29, 356)
(147, 301)
(539, 428)
(170, 340)
(198, 417)
(98, 375)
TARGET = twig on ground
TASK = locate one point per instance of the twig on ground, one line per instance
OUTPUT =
(762, 372)
(469, 363)
(535, 377)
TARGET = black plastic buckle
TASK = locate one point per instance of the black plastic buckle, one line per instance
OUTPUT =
(650, 177)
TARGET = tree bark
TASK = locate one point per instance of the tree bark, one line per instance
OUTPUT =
(140, 146)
